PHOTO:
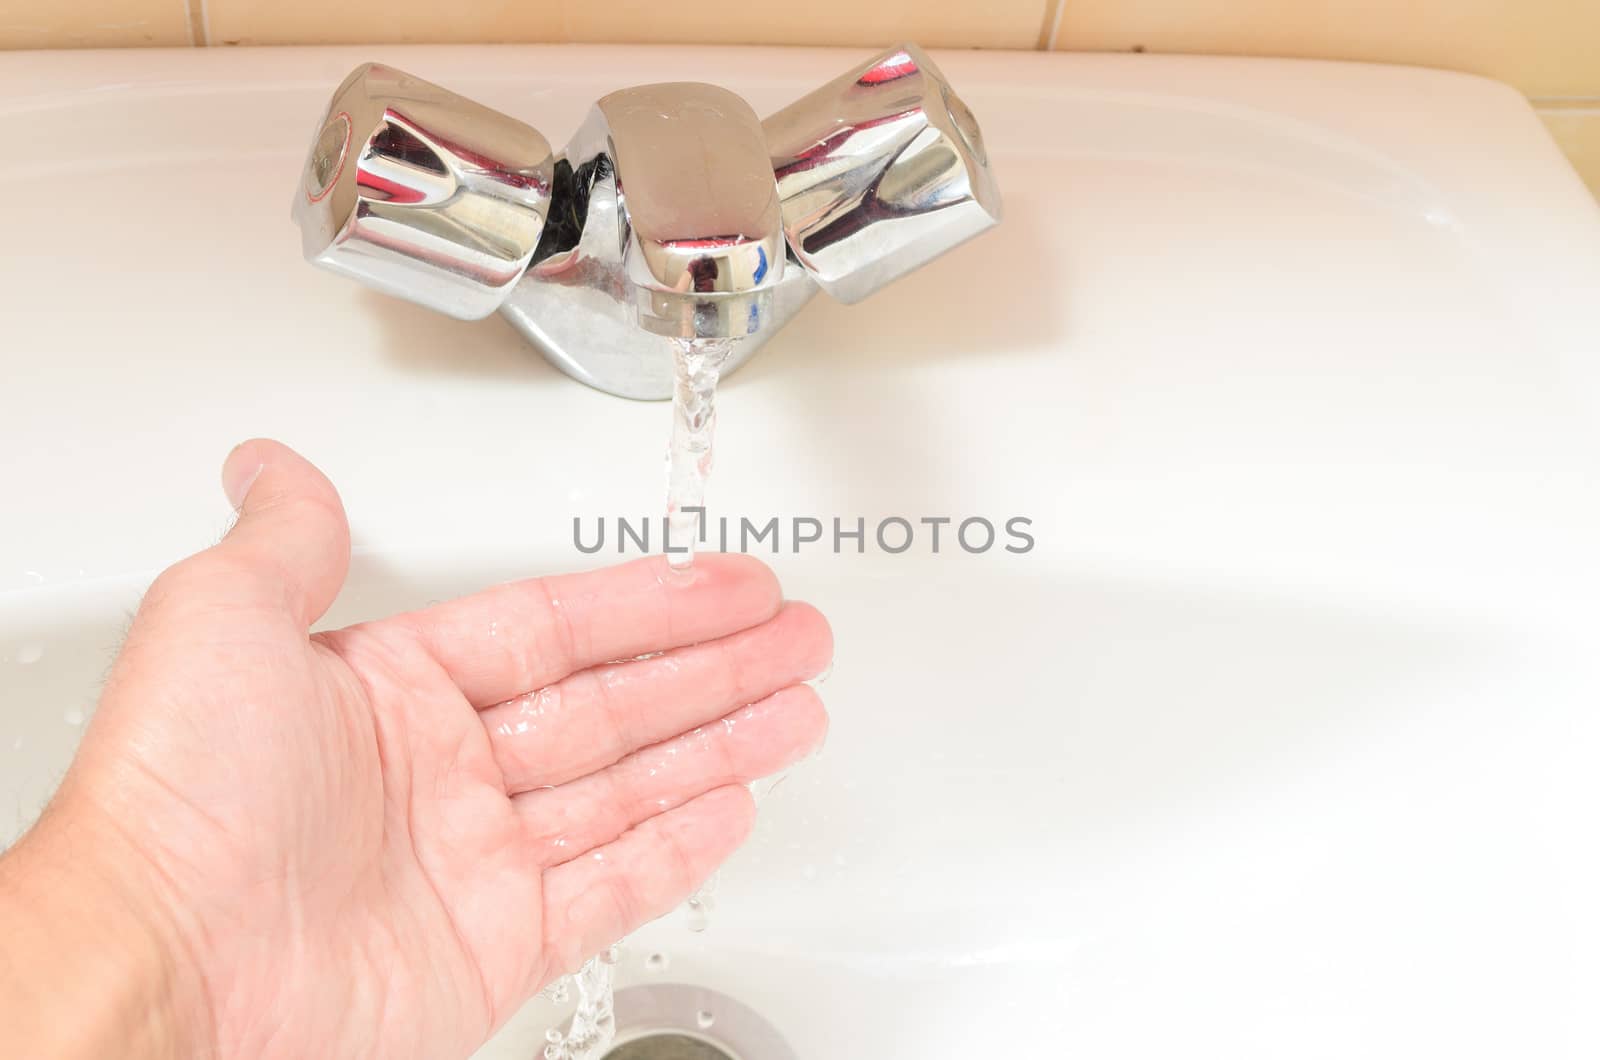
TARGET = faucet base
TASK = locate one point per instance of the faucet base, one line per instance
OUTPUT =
(595, 338)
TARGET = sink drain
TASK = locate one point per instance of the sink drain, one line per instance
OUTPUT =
(668, 1046)
(678, 1021)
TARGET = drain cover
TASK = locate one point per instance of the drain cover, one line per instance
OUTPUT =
(668, 1046)
(680, 1021)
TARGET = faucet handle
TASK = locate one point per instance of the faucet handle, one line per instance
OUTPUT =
(423, 194)
(879, 172)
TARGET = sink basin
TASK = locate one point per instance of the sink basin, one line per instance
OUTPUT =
(1280, 741)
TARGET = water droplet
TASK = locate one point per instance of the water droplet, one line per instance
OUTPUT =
(701, 903)
(29, 654)
(73, 717)
(553, 1036)
(657, 962)
(704, 1019)
(557, 990)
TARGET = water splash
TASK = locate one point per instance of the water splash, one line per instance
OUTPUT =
(594, 1021)
(689, 456)
(558, 991)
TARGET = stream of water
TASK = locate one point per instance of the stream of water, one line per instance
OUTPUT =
(698, 365)
(689, 455)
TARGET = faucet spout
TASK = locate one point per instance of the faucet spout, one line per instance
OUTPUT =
(680, 188)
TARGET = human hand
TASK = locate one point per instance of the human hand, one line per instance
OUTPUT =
(379, 841)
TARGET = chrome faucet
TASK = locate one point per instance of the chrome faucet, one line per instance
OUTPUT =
(674, 212)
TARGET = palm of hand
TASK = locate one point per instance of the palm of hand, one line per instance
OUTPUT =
(381, 840)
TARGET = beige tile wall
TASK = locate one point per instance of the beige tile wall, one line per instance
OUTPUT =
(936, 23)
(1544, 47)
(93, 23)
(1550, 49)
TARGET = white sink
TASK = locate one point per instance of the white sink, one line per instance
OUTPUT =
(1281, 742)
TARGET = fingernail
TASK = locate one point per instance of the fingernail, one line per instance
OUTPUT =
(237, 478)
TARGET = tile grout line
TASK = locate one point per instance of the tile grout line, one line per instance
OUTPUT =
(1050, 25)
(199, 30)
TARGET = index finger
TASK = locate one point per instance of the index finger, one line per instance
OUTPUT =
(521, 636)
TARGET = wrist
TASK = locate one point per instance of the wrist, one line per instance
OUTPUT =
(91, 964)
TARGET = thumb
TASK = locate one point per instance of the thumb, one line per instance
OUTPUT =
(290, 548)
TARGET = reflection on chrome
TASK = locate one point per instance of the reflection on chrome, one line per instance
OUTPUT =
(674, 213)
